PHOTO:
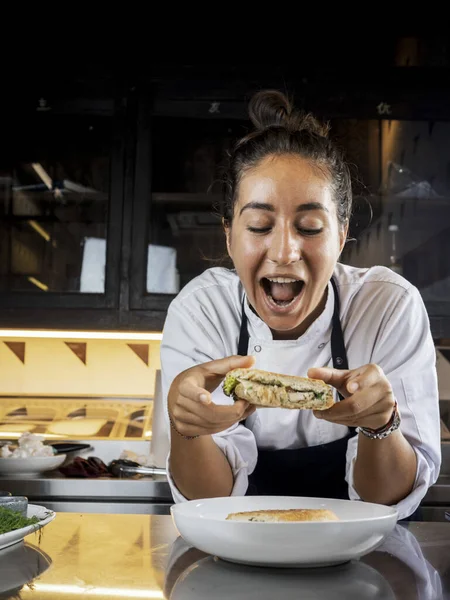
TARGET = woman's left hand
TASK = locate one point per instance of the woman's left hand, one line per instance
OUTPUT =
(369, 399)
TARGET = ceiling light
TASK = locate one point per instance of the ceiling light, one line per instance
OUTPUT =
(81, 335)
(38, 283)
(40, 230)
(39, 169)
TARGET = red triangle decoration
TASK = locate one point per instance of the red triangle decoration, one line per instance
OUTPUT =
(79, 349)
(17, 348)
(141, 350)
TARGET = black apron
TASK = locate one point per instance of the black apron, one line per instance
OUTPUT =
(314, 471)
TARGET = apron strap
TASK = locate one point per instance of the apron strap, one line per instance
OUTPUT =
(338, 351)
(243, 333)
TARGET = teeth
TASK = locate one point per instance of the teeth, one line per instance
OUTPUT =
(282, 279)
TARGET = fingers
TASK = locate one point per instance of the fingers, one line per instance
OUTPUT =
(190, 388)
(369, 399)
(334, 377)
(371, 407)
(248, 411)
(198, 382)
(190, 403)
(213, 413)
(222, 366)
(360, 404)
(348, 382)
(364, 377)
(203, 419)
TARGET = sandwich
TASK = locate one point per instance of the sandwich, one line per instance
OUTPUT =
(280, 516)
(263, 388)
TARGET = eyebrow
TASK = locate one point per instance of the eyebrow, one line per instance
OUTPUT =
(300, 208)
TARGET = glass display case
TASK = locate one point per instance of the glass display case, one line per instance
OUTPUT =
(76, 418)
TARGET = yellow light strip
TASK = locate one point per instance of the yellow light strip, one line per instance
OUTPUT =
(38, 283)
(40, 230)
(89, 591)
(42, 173)
(13, 435)
(80, 335)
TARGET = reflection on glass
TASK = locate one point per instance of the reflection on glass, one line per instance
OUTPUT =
(79, 418)
(351, 581)
(397, 570)
(185, 231)
(410, 231)
(402, 203)
(401, 561)
(54, 190)
(408, 188)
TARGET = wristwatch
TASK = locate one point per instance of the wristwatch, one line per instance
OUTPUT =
(383, 432)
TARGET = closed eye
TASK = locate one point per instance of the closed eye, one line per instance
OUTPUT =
(302, 230)
(309, 231)
(259, 229)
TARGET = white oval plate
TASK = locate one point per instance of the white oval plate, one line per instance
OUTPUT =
(13, 537)
(21, 468)
(362, 527)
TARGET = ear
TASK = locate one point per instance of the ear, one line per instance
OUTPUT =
(227, 229)
(343, 232)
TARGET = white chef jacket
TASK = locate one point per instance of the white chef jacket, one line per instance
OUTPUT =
(384, 321)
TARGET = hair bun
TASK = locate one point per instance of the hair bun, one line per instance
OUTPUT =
(271, 108)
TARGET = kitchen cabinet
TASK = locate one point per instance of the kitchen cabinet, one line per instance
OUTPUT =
(111, 190)
(109, 207)
(62, 191)
(179, 197)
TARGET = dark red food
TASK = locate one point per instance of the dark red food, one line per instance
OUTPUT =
(85, 468)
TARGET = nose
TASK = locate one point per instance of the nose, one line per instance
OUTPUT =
(285, 246)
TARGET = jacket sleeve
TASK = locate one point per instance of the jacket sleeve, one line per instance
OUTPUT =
(189, 340)
(406, 353)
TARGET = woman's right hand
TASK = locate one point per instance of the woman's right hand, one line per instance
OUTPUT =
(191, 409)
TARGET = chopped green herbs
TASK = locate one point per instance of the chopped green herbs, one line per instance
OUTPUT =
(229, 384)
(11, 520)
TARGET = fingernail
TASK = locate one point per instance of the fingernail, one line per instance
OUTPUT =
(353, 386)
(204, 398)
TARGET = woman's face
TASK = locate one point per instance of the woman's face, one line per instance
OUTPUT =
(284, 241)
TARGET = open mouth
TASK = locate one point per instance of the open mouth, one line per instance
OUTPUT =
(282, 291)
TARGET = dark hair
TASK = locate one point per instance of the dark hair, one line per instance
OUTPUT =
(281, 129)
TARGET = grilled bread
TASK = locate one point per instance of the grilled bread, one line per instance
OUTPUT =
(263, 388)
(279, 516)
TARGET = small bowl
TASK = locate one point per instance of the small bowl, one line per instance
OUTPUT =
(17, 503)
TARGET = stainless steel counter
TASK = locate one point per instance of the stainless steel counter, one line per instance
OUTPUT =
(142, 496)
(58, 486)
(133, 496)
(436, 503)
(135, 556)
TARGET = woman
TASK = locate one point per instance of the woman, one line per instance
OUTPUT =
(287, 307)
